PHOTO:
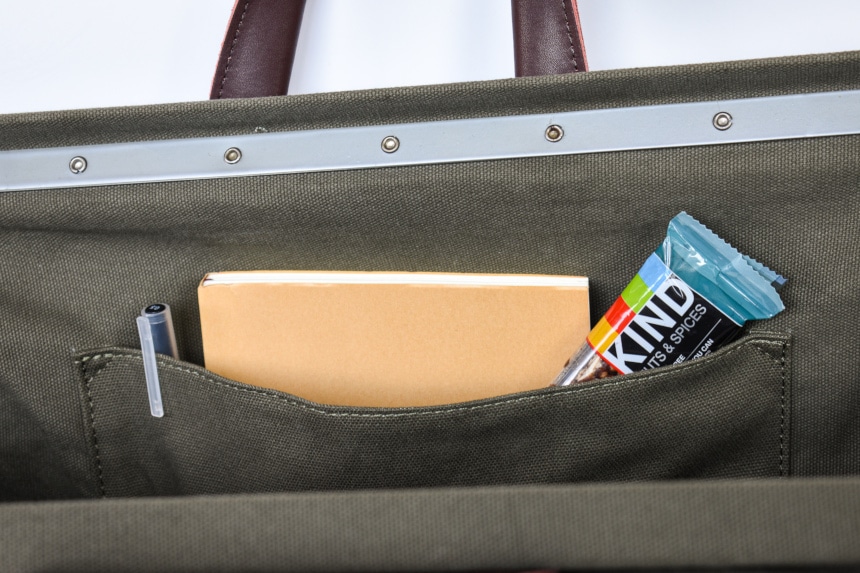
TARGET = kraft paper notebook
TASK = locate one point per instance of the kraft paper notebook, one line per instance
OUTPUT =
(391, 339)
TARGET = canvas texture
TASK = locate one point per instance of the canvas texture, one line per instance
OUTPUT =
(781, 403)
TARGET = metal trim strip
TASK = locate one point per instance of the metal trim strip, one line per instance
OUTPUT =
(593, 131)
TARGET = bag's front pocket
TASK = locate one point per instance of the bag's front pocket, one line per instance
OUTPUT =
(725, 415)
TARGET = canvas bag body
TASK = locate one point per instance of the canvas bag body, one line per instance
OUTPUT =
(236, 478)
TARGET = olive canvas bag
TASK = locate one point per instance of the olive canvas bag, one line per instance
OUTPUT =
(747, 458)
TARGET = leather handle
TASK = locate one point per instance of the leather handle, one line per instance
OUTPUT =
(258, 50)
(260, 45)
(547, 38)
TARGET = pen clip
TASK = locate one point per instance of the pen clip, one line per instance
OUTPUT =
(150, 368)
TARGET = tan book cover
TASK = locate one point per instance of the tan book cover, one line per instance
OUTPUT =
(391, 339)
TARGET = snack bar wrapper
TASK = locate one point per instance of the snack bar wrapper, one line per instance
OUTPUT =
(692, 295)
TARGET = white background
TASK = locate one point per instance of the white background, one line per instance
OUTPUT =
(60, 54)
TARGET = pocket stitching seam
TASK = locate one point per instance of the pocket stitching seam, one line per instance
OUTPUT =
(87, 388)
(781, 362)
(572, 390)
(782, 469)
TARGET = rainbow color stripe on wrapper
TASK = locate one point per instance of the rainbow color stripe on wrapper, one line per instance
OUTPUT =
(637, 294)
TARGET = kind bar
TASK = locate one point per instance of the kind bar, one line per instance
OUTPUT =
(692, 295)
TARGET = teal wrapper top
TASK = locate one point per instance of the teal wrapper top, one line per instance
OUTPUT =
(741, 287)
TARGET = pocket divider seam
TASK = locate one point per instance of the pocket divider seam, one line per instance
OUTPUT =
(782, 362)
(783, 461)
(87, 381)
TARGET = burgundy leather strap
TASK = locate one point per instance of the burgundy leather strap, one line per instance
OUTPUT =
(260, 45)
(547, 38)
(259, 48)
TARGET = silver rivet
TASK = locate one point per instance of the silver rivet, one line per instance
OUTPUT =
(233, 155)
(554, 133)
(722, 121)
(390, 144)
(77, 165)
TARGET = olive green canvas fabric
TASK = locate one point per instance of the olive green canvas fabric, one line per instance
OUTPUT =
(729, 417)
(767, 525)
(79, 264)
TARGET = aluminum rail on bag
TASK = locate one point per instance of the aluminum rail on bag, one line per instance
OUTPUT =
(592, 131)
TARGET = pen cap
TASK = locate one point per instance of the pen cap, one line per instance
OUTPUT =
(161, 328)
(150, 367)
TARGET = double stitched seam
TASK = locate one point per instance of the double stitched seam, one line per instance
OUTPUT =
(86, 359)
(781, 361)
(569, 35)
(569, 390)
(87, 382)
(782, 469)
(233, 47)
(768, 355)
